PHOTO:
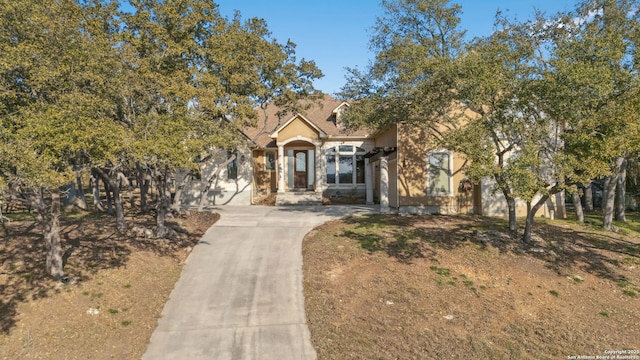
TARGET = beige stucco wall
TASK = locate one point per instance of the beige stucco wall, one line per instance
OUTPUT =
(413, 146)
(388, 137)
(297, 127)
(264, 181)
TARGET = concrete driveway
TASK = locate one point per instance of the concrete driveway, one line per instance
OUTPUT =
(240, 293)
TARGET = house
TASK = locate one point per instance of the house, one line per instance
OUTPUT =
(310, 158)
(305, 157)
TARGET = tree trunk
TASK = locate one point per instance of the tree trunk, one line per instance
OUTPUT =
(123, 183)
(81, 199)
(621, 192)
(179, 188)
(121, 223)
(107, 190)
(588, 196)
(531, 213)
(95, 185)
(610, 194)
(561, 207)
(50, 220)
(210, 180)
(163, 203)
(577, 205)
(143, 182)
(513, 224)
(112, 184)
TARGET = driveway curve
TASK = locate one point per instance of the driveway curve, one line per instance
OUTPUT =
(240, 292)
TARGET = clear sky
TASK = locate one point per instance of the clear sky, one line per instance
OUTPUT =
(335, 33)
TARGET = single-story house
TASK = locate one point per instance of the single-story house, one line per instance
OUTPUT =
(310, 158)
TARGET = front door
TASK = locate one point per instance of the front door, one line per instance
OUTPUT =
(300, 169)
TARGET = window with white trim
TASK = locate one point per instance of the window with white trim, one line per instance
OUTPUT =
(270, 161)
(439, 174)
(345, 165)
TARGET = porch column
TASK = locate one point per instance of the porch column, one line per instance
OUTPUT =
(368, 181)
(384, 185)
(280, 168)
(318, 170)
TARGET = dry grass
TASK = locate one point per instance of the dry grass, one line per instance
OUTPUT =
(122, 284)
(388, 287)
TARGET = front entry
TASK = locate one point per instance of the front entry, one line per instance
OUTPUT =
(300, 172)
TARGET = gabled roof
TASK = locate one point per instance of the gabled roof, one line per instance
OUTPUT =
(340, 107)
(321, 133)
(320, 114)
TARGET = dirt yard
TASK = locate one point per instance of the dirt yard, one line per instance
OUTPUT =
(441, 287)
(118, 285)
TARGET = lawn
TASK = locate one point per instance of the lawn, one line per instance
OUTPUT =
(119, 283)
(420, 287)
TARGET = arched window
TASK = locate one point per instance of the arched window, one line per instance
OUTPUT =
(345, 165)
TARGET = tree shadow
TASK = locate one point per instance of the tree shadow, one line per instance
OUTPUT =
(596, 252)
(91, 244)
(561, 249)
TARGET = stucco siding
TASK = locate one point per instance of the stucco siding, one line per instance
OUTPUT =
(296, 128)
(224, 191)
(388, 137)
(414, 145)
(264, 180)
(495, 204)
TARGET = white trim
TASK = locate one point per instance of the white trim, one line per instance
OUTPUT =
(348, 137)
(300, 138)
(339, 107)
(354, 163)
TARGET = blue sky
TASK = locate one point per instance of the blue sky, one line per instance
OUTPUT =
(335, 33)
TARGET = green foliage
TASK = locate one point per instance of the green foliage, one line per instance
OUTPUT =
(410, 79)
(441, 271)
(55, 71)
(593, 82)
(85, 85)
(539, 106)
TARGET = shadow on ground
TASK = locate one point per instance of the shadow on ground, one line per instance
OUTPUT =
(407, 238)
(91, 244)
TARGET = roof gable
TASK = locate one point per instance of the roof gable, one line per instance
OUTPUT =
(343, 106)
(306, 121)
(318, 113)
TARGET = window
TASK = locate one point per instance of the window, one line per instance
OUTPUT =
(270, 161)
(331, 166)
(345, 165)
(232, 167)
(346, 169)
(439, 174)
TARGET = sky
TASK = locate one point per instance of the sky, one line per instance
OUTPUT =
(335, 33)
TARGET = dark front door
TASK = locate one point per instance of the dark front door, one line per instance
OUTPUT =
(300, 169)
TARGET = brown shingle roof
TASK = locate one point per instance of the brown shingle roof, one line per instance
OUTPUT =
(319, 113)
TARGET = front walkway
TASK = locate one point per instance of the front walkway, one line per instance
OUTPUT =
(240, 293)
